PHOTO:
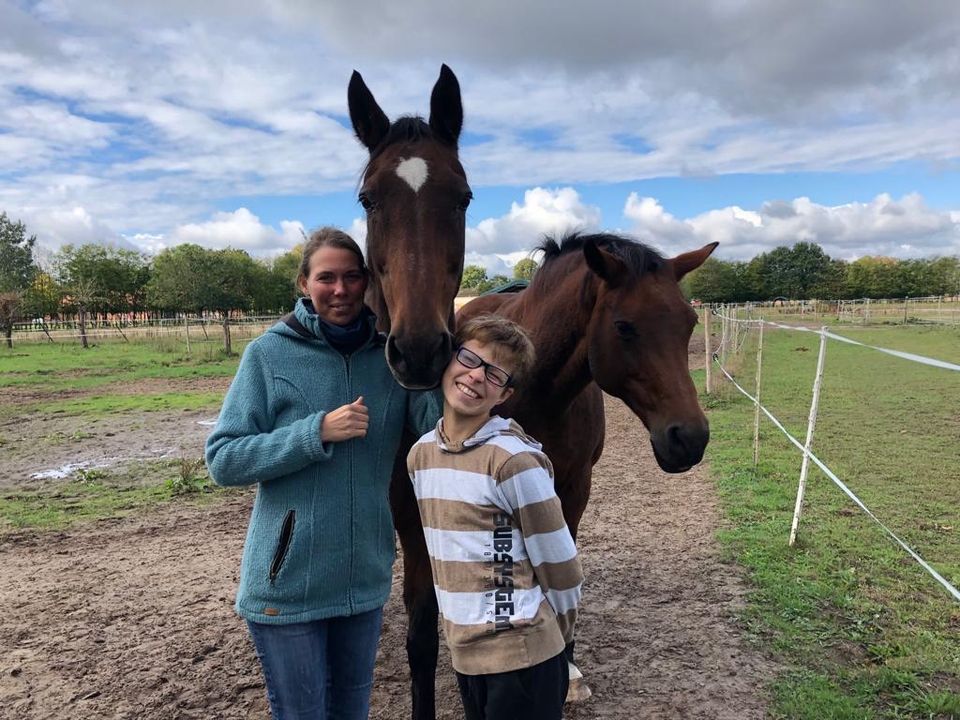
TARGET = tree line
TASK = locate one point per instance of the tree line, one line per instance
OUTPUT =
(804, 272)
(475, 280)
(93, 282)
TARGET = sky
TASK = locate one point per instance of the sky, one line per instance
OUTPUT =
(755, 123)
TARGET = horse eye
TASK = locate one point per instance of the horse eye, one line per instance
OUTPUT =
(365, 201)
(465, 201)
(625, 329)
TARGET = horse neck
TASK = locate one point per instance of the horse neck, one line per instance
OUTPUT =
(557, 318)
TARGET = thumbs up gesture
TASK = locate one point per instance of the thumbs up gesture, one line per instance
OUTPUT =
(347, 421)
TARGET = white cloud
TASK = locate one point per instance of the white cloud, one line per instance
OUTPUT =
(71, 226)
(883, 226)
(239, 229)
(166, 108)
(544, 211)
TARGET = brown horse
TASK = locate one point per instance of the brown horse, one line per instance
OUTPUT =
(415, 194)
(606, 314)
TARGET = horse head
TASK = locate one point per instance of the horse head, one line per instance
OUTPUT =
(638, 343)
(415, 194)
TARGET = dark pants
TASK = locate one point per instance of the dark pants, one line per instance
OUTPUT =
(533, 693)
(320, 670)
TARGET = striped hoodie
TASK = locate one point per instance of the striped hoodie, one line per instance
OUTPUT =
(505, 568)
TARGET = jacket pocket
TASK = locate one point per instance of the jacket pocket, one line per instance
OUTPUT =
(283, 544)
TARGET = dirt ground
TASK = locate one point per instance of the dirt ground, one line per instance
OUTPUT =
(132, 617)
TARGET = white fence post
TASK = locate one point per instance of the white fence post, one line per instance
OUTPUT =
(724, 334)
(735, 328)
(706, 345)
(811, 424)
(756, 410)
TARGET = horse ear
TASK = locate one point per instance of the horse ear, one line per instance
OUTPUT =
(682, 264)
(370, 123)
(446, 109)
(606, 265)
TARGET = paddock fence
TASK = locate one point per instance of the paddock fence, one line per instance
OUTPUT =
(931, 310)
(735, 324)
(182, 329)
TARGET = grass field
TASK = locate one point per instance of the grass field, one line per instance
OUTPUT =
(59, 378)
(116, 380)
(863, 630)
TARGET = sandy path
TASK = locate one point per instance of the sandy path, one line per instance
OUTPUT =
(132, 618)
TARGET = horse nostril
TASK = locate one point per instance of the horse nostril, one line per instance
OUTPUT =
(688, 441)
(683, 437)
(675, 436)
(394, 356)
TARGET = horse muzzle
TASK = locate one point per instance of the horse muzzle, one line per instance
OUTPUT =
(418, 363)
(680, 446)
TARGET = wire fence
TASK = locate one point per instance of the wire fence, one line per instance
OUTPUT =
(183, 329)
(734, 328)
(935, 310)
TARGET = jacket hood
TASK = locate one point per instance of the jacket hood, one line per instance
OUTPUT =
(309, 321)
(496, 426)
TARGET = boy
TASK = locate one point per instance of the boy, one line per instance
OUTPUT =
(505, 567)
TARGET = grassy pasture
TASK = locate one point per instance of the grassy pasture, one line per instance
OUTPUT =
(863, 631)
(111, 379)
(55, 378)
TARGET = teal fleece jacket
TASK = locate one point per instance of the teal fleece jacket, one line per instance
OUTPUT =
(320, 542)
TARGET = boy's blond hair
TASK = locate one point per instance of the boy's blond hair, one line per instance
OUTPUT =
(513, 344)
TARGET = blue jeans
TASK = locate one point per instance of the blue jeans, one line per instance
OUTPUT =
(321, 670)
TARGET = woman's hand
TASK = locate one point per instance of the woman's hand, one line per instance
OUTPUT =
(347, 421)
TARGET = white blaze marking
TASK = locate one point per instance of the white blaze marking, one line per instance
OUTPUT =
(413, 171)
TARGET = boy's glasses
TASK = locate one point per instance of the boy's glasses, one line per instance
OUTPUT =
(469, 359)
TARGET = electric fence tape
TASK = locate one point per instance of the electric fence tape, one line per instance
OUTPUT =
(943, 364)
(847, 491)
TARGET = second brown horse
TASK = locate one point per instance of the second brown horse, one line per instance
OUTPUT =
(606, 314)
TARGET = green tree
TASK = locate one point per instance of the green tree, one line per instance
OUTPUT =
(188, 278)
(17, 267)
(473, 275)
(42, 298)
(115, 277)
(9, 314)
(234, 275)
(83, 296)
(525, 269)
(944, 276)
(489, 284)
(873, 277)
(714, 281)
(176, 277)
(277, 291)
(795, 273)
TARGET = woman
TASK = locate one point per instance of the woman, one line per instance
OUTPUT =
(314, 417)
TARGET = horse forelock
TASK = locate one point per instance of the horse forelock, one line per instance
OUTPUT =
(406, 129)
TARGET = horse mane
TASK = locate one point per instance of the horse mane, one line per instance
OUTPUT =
(639, 258)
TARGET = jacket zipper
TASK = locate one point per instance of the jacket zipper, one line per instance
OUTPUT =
(353, 539)
(283, 544)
